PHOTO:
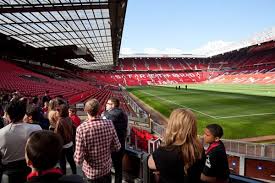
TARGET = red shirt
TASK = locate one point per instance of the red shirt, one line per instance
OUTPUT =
(76, 120)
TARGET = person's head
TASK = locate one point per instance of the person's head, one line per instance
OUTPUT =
(72, 111)
(15, 111)
(92, 107)
(46, 104)
(63, 111)
(181, 131)
(43, 150)
(32, 114)
(35, 100)
(112, 103)
(46, 92)
(52, 105)
(53, 117)
(212, 133)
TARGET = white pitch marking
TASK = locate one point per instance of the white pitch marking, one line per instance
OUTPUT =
(180, 105)
(245, 115)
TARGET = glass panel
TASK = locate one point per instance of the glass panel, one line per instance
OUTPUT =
(96, 32)
(30, 28)
(56, 15)
(7, 20)
(97, 13)
(100, 24)
(62, 36)
(10, 32)
(51, 26)
(48, 16)
(13, 18)
(66, 26)
(108, 32)
(103, 32)
(31, 17)
(105, 13)
(39, 17)
(74, 35)
(36, 27)
(65, 15)
(79, 25)
(21, 17)
(13, 29)
(73, 14)
(72, 25)
(81, 14)
(59, 26)
(107, 23)
(89, 14)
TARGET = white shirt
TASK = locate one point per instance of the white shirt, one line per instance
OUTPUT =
(13, 139)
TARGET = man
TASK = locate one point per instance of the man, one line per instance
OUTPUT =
(13, 138)
(120, 121)
(46, 97)
(96, 139)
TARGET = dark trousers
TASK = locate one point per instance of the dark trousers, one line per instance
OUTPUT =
(117, 162)
(15, 171)
(105, 179)
(67, 153)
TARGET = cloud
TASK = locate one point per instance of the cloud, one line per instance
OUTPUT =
(209, 48)
(127, 51)
(212, 46)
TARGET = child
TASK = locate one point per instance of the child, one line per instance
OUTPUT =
(75, 119)
(42, 153)
(216, 165)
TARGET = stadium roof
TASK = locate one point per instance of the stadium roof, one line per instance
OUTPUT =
(92, 27)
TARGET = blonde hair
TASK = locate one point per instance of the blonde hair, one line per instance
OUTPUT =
(53, 118)
(181, 130)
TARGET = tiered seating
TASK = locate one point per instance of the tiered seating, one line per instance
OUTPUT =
(152, 78)
(159, 64)
(140, 138)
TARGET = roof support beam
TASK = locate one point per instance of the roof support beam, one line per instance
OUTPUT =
(40, 8)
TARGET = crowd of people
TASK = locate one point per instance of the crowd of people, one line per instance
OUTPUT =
(36, 135)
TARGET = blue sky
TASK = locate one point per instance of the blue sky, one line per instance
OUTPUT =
(153, 26)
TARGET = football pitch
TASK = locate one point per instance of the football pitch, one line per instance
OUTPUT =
(242, 110)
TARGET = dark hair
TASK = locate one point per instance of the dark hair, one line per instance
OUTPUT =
(115, 101)
(33, 112)
(215, 129)
(72, 109)
(16, 110)
(92, 107)
(35, 100)
(43, 149)
(63, 111)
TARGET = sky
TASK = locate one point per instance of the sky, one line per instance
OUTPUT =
(191, 26)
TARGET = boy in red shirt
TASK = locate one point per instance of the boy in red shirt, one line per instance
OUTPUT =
(75, 119)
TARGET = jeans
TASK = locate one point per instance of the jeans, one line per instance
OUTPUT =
(104, 179)
(117, 162)
(67, 153)
(15, 171)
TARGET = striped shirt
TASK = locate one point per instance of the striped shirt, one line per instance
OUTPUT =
(95, 141)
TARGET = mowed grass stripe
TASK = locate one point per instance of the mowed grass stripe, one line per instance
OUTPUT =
(225, 106)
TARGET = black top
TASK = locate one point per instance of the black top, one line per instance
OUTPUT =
(120, 121)
(216, 164)
(169, 163)
(56, 178)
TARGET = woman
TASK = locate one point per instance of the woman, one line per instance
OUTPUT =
(64, 128)
(181, 156)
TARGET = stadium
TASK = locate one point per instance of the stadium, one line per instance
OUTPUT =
(73, 49)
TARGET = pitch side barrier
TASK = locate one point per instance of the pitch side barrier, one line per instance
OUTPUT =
(145, 175)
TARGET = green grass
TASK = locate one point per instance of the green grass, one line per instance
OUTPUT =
(242, 110)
